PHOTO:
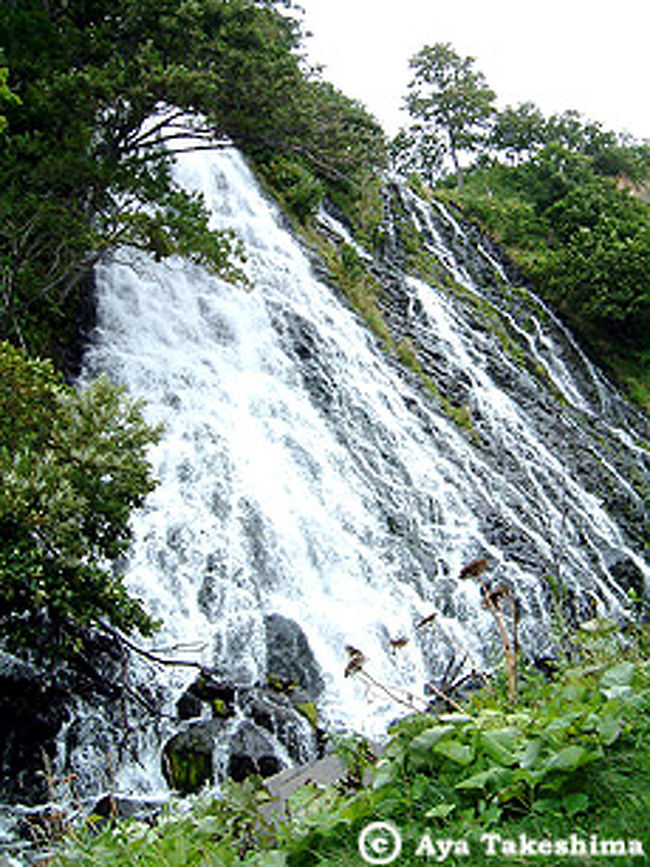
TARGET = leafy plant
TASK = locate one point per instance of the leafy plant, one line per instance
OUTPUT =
(300, 190)
(73, 467)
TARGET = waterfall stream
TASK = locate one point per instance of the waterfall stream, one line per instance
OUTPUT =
(303, 471)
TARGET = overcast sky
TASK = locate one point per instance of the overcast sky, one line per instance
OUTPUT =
(588, 55)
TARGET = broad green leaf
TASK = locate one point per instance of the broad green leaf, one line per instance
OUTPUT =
(609, 729)
(547, 806)
(520, 719)
(441, 811)
(568, 759)
(641, 701)
(599, 626)
(562, 724)
(476, 781)
(498, 776)
(613, 692)
(385, 773)
(575, 802)
(454, 718)
(491, 815)
(617, 676)
(573, 692)
(501, 745)
(459, 753)
(419, 750)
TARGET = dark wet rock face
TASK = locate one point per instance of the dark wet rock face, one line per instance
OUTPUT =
(238, 729)
(266, 730)
(289, 657)
(252, 752)
(32, 713)
(187, 760)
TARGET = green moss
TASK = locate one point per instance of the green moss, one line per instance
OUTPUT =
(279, 684)
(189, 763)
(460, 414)
(407, 354)
(350, 274)
(369, 213)
(220, 708)
(308, 710)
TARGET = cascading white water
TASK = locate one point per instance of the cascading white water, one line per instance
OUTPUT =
(301, 472)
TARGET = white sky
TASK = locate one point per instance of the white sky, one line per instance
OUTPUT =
(588, 55)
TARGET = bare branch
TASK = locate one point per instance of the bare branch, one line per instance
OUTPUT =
(183, 663)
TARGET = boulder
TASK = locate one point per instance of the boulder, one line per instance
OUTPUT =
(280, 717)
(252, 752)
(187, 759)
(208, 689)
(290, 661)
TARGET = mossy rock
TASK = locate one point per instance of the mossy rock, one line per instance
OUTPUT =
(187, 758)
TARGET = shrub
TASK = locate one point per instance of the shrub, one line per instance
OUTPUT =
(73, 467)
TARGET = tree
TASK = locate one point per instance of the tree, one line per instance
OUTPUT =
(414, 151)
(518, 131)
(598, 265)
(73, 466)
(84, 168)
(450, 101)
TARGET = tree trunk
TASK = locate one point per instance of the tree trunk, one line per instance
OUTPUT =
(459, 174)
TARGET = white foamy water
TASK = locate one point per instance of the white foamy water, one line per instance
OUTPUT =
(301, 473)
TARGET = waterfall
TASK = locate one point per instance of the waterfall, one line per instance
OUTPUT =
(303, 471)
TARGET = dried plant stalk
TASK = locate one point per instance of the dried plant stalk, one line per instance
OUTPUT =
(510, 649)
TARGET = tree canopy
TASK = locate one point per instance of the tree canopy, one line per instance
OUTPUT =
(450, 102)
(83, 168)
(73, 466)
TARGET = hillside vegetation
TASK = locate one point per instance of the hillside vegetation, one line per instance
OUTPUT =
(566, 198)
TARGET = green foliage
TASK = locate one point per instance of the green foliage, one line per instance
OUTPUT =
(73, 466)
(414, 151)
(348, 272)
(522, 131)
(450, 102)
(572, 757)
(217, 831)
(327, 145)
(518, 131)
(299, 189)
(600, 256)
(6, 97)
(85, 167)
